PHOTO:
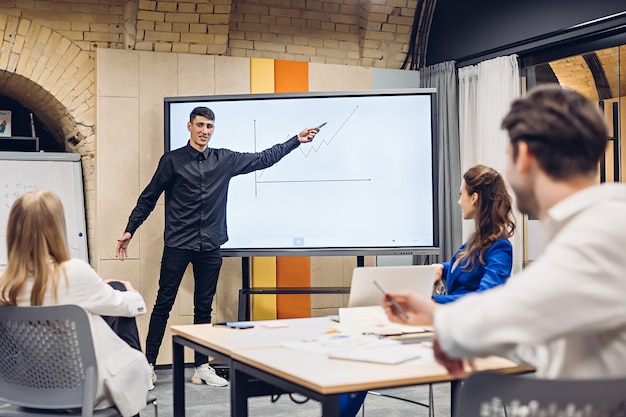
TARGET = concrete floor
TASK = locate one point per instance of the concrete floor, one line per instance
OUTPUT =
(202, 400)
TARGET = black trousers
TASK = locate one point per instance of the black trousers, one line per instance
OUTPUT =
(124, 327)
(206, 270)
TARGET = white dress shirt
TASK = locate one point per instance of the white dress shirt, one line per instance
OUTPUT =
(566, 312)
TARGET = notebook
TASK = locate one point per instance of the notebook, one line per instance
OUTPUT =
(363, 292)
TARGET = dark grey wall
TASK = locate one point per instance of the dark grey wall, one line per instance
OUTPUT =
(465, 28)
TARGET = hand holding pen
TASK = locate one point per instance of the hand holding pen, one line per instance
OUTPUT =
(419, 310)
(389, 299)
(309, 133)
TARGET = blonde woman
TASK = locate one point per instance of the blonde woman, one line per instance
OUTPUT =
(39, 272)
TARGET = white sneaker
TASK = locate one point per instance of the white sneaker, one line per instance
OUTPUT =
(153, 377)
(205, 374)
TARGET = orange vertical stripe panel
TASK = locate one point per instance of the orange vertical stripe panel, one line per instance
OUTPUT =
(292, 77)
(293, 271)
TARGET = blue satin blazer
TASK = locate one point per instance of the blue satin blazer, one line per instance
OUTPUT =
(496, 270)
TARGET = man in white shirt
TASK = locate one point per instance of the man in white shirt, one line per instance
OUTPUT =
(565, 314)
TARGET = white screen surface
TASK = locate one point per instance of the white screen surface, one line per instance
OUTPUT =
(365, 183)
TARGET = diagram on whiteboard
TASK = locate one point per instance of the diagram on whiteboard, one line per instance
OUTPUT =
(315, 149)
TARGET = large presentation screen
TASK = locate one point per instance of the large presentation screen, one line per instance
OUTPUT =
(366, 185)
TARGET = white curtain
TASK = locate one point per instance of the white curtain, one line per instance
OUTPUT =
(486, 91)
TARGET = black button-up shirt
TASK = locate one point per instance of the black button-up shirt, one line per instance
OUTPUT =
(196, 188)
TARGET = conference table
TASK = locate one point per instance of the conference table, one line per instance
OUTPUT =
(260, 365)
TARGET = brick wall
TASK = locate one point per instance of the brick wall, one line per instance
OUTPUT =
(48, 47)
(347, 32)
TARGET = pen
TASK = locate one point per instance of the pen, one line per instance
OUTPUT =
(393, 302)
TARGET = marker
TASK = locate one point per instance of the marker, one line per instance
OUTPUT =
(393, 302)
(321, 126)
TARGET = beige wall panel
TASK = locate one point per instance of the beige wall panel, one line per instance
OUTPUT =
(323, 312)
(117, 73)
(117, 173)
(326, 77)
(327, 301)
(196, 75)
(227, 295)
(158, 72)
(123, 271)
(232, 75)
(332, 271)
(328, 271)
(149, 239)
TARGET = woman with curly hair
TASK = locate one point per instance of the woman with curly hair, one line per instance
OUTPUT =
(486, 259)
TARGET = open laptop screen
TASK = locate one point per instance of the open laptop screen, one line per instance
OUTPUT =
(363, 292)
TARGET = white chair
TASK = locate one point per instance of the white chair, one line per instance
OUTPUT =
(48, 363)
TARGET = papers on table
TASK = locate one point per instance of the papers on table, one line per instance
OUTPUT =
(390, 355)
(371, 320)
(358, 347)
(358, 337)
(337, 342)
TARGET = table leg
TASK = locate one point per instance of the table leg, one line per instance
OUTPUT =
(330, 406)
(239, 387)
(178, 377)
(454, 388)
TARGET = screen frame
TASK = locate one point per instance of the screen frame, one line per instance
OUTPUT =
(330, 251)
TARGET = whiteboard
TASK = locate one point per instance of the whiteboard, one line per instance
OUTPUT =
(60, 173)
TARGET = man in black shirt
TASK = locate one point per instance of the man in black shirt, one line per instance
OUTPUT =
(195, 179)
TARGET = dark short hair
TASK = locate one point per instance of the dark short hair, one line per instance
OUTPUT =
(565, 131)
(202, 111)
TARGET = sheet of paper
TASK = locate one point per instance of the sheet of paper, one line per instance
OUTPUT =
(390, 355)
(371, 320)
(338, 342)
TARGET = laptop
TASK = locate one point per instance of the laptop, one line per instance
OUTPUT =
(363, 292)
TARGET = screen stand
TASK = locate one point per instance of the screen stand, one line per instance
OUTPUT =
(360, 260)
(244, 300)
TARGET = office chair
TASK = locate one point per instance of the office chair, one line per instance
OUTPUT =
(48, 363)
(500, 395)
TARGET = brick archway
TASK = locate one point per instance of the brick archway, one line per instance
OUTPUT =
(52, 76)
(49, 74)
